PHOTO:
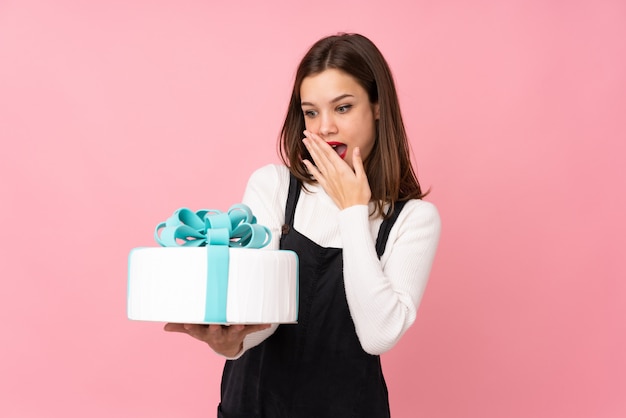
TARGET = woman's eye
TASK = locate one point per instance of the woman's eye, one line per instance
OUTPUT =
(343, 108)
(310, 113)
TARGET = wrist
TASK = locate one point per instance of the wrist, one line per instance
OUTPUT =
(229, 352)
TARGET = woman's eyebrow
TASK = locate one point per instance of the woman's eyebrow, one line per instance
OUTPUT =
(335, 100)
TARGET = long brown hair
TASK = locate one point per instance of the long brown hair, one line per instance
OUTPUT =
(388, 167)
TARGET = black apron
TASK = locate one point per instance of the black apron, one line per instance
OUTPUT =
(315, 368)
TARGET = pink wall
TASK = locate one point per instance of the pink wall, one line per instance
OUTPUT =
(112, 114)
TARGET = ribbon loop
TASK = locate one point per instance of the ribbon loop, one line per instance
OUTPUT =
(186, 228)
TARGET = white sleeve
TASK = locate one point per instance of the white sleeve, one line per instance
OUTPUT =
(383, 295)
(266, 194)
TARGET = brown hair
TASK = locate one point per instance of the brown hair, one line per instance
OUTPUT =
(388, 167)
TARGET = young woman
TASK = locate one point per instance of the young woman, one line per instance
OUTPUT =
(348, 202)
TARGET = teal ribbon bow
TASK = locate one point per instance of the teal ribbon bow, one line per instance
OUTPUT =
(217, 231)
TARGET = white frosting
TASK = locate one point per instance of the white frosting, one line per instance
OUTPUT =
(169, 285)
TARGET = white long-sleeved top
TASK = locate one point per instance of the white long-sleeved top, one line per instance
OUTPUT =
(383, 295)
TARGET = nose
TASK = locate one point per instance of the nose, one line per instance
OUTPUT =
(327, 124)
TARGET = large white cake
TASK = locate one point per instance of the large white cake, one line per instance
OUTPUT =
(170, 285)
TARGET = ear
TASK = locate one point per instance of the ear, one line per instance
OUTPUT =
(376, 109)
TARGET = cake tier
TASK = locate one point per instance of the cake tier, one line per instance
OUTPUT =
(169, 284)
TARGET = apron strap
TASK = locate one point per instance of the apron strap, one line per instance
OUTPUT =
(290, 206)
(385, 228)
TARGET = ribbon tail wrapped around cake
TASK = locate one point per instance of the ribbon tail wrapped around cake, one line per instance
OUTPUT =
(212, 267)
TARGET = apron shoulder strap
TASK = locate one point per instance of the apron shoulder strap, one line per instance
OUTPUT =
(292, 199)
(385, 228)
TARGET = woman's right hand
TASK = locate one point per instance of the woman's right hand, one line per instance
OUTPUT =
(226, 340)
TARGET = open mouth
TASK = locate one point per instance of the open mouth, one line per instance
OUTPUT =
(340, 148)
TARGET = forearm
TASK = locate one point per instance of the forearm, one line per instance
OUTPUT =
(383, 301)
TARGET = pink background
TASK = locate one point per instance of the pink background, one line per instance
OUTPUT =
(115, 113)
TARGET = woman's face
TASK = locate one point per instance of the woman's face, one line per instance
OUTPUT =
(338, 109)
